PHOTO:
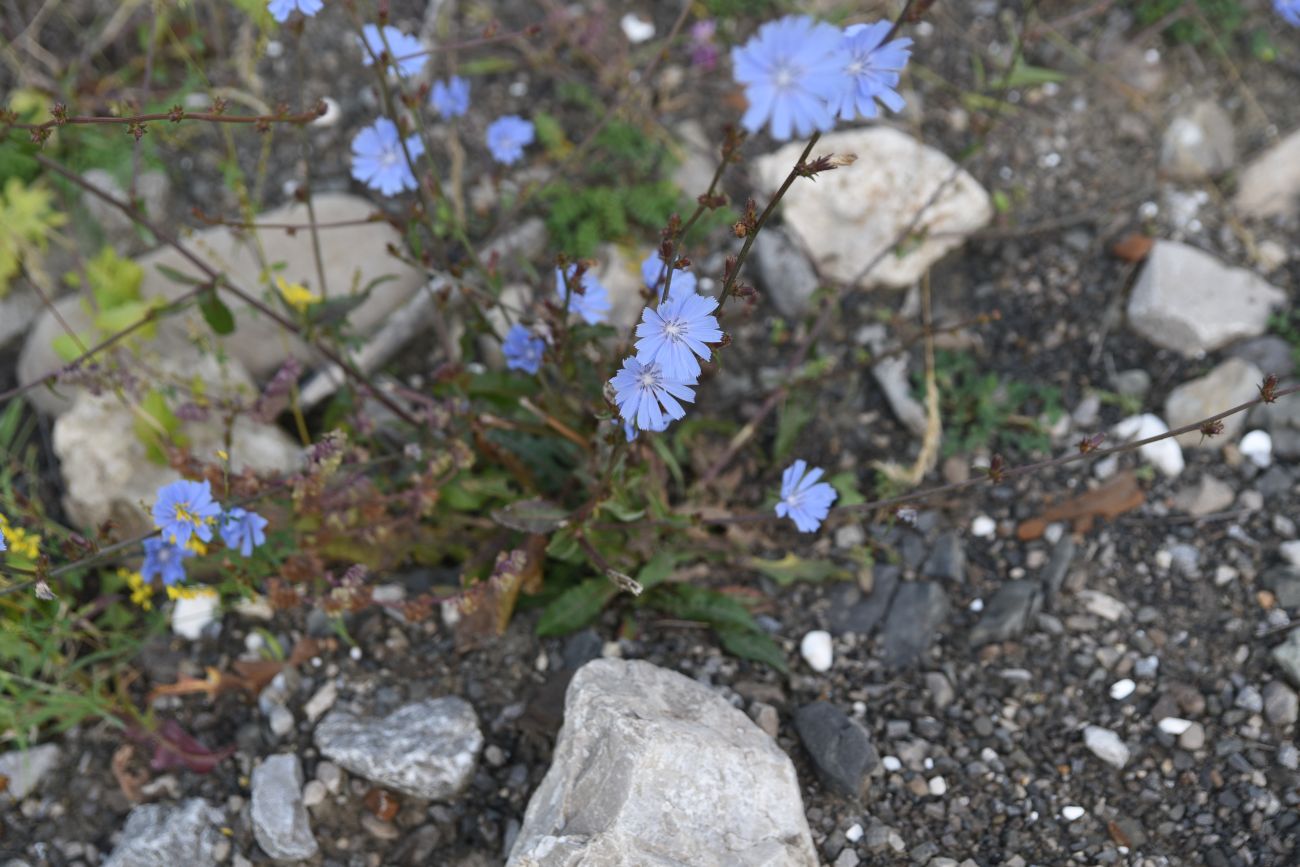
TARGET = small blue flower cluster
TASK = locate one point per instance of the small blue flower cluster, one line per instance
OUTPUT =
(185, 513)
(800, 75)
(1289, 10)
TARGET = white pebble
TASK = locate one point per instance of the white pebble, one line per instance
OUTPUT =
(192, 613)
(1257, 447)
(281, 720)
(1106, 745)
(636, 28)
(1165, 455)
(355, 654)
(1072, 813)
(331, 115)
(891, 763)
(977, 605)
(1172, 725)
(817, 650)
(1054, 532)
(1122, 689)
(983, 527)
(854, 834)
(1290, 552)
(938, 787)
(313, 793)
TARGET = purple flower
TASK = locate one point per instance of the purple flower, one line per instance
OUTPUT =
(522, 350)
(185, 509)
(647, 397)
(592, 303)
(704, 54)
(1289, 10)
(676, 332)
(407, 53)
(652, 272)
(281, 9)
(508, 136)
(243, 531)
(378, 161)
(874, 70)
(792, 69)
(450, 98)
(164, 560)
(804, 500)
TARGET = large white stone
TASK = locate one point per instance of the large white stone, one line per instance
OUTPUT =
(164, 835)
(1188, 301)
(652, 768)
(1231, 383)
(854, 215)
(1269, 185)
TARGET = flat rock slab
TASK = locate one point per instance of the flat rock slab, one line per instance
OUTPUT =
(428, 749)
(164, 835)
(280, 821)
(1188, 301)
(840, 748)
(854, 215)
(1009, 611)
(918, 610)
(652, 768)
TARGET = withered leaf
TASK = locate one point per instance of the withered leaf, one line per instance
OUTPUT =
(1112, 499)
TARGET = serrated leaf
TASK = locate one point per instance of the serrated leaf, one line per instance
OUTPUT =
(576, 607)
(757, 646)
(216, 313)
(792, 568)
(531, 516)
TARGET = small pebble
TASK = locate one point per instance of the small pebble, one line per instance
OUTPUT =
(817, 650)
(1122, 689)
(1192, 739)
(1257, 447)
(1072, 813)
(280, 720)
(983, 527)
(891, 763)
(854, 834)
(938, 787)
(1290, 552)
(636, 28)
(1172, 725)
(314, 793)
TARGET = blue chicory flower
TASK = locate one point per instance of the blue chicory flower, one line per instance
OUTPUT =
(804, 500)
(407, 53)
(184, 509)
(508, 136)
(378, 161)
(873, 69)
(1289, 10)
(3, 546)
(652, 272)
(648, 397)
(792, 69)
(243, 531)
(450, 98)
(522, 350)
(281, 9)
(591, 303)
(675, 332)
(164, 560)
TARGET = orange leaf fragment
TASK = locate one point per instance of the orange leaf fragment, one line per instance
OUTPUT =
(1112, 499)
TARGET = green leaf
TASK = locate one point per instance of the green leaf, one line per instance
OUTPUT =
(792, 568)
(794, 415)
(757, 646)
(576, 607)
(531, 516)
(1024, 75)
(657, 570)
(335, 310)
(565, 548)
(67, 348)
(112, 320)
(179, 277)
(688, 602)
(216, 313)
(846, 485)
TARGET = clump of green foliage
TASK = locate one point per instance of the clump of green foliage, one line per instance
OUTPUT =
(984, 410)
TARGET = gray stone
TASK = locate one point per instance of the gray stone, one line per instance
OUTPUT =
(1058, 565)
(918, 610)
(26, 768)
(1281, 705)
(1005, 615)
(1284, 583)
(940, 689)
(1132, 383)
(1269, 353)
(1106, 745)
(1188, 301)
(152, 188)
(428, 749)
(1287, 656)
(840, 748)
(1231, 383)
(850, 220)
(859, 615)
(1199, 143)
(1207, 496)
(653, 768)
(697, 159)
(164, 835)
(280, 821)
(784, 273)
(1269, 185)
(19, 307)
(947, 560)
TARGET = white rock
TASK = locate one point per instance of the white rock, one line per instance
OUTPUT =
(1106, 745)
(1122, 689)
(280, 720)
(1257, 447)
(636, 28)
(191, 614)
(280, 821)
(854, 214)
(983, 527)
(1269, 185)
(1165, 455)
(653, 768)
(938, 786)
(1199, 143)
(314, 793)
(321, 701)
(817, 650)
(854, 834)
(24, 769)
(1231, 383)
(1188, 301)
(891, 763)
(1103, 605)
(1173, 725)
(160, 835)
(1290, 551)
(1072, 813)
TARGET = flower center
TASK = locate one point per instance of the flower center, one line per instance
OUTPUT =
(164, 555)
(674, 329)
(649, 377)
(185, 516)
(786, 75)
(389, 159)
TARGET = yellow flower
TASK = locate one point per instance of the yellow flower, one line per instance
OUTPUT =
(195, 544)
(141, 593)
(296, 295)
(177, 591)
(21, 542)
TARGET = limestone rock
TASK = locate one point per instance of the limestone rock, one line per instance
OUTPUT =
(1269, 185)
(1231, 383)
(652, 768)
(853, 215)
(428, 749)
(1199, 143)
(784, 272)
(1188, 301)
(280, 821)
(162, 835)
(1165, 455)
(24, 769)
